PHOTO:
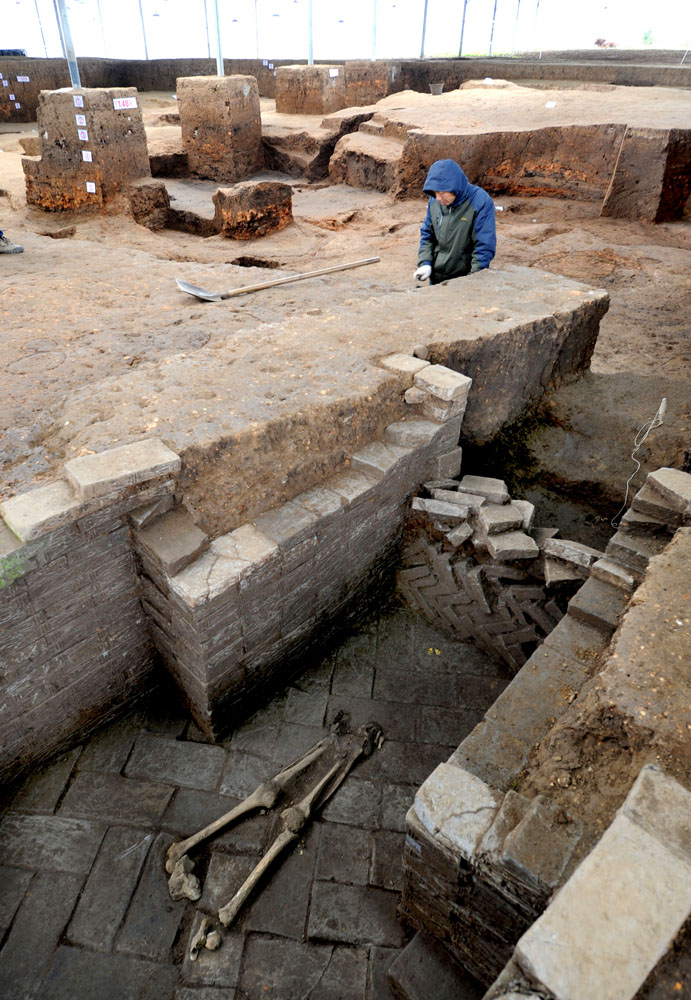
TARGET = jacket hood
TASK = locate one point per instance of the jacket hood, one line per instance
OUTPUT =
(446, 175)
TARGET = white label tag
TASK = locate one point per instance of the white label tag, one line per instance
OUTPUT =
(333, 72)
(78, 101)
(83, 134)
(86, 155)
(91, 187)
(5, 83)
(17, 104)
(271, 65)
(11, 97)
(22, 79)
(122, 103)
(265, 62)
(80, 119)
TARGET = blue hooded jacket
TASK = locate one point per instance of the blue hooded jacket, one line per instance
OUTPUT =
(461, 238)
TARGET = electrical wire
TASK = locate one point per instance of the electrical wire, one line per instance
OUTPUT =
(647, 427)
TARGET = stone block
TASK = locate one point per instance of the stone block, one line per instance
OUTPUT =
(109, 888)
(451, 512)
(425, 969)
(635, 551)
(92, 143)
(495, 518)
(110, 797)
(577, 640)
(411, 433)
(612, 921)
(142, 516)
(493, 490)
(459, 535)
(232, 558)
(456, 806)
(82, 973)
(30, 515)
(414, 396)
(635, 523)
(173, 762)
(598, 604)
(574, 553)
(253, 209)
(539, 847)
(310, 90)
(112, 471)
(444, 383)
(610, 572)
(405, 364)
(527, 509)
(447, 464)
(673, 486)
(511, 545)
(649, 501)
(379, 459)
(153, 918)
(221, 126)
(354, 914)
(560, 572)
(50, 842)
(662, 807)
(173, 540)
(219, 968)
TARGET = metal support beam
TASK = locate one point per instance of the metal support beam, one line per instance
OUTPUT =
(515, 27)
(67, 45)
(310, 43)
(460, 44)
(141, 18)
(491, 36)
(374, 30)
(424, 31)
(220, 70)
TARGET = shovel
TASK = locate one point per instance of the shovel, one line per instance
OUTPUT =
(201, 293)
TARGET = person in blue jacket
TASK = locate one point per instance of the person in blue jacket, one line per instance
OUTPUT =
(458, 236)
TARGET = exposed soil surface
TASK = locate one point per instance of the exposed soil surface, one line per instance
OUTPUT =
(99, 297)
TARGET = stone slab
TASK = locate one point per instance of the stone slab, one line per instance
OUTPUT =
(425, 969)
(220, 968)
(457, 806)
(354, 915)
(153, 918)
(174, 540)
(411, 433)
(493, 490)
(648, 501)
(673, 486)
(575, 553)
(496, 518)
(512, 545)
(156, 758)
(76, 973)
(444, 383)
(560, 572)
(44, 789)
(451, 512)
(662, 807)
(285, 970)
(14, 885)
(53, 843)
(613, 920)
(405, 363)
(30, 946)
(378, 459)
(112, 797)
(30, 515)
(610, 572)
(109, 888)
(598, 604)
(117, 468)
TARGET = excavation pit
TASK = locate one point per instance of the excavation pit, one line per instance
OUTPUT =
(95, 587)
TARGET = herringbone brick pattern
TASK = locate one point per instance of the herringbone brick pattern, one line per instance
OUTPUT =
(500, 607)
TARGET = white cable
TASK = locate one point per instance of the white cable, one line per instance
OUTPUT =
(648, 426)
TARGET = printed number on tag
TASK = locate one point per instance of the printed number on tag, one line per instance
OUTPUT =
(78, 101)
(91, 187)
(122, 103)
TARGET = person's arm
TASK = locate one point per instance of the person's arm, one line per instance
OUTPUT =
(484, 236)
(425, 253)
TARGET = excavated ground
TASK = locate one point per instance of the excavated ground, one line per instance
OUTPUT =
(102, 301)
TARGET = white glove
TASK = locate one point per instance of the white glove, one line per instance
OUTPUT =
(423, 272)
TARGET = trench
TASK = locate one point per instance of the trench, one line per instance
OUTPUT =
(328, 910)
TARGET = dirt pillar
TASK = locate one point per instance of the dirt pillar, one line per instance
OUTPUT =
(92, 143)
(221, 126)
(651, 179)
(310, 90)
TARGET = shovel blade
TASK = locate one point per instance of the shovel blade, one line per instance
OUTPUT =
(199, 293)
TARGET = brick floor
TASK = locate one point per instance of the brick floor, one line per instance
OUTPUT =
(85, 910)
